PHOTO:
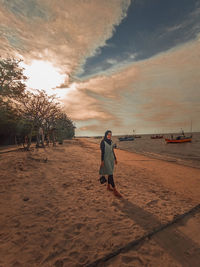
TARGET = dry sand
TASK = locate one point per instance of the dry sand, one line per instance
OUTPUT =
(54, 211)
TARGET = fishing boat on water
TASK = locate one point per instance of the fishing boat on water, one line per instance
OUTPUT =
(157, 136)
(136, 135)
(179, 139)
(126, 138)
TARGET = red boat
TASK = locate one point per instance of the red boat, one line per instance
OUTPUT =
(179, 139)
(156, 136)
(137, 136)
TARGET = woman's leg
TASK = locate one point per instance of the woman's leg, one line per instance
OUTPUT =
(111, 182)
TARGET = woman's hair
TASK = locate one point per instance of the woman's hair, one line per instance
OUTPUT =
(106, 133)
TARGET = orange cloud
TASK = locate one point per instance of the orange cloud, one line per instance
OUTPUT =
(65, 33)
(159, 92)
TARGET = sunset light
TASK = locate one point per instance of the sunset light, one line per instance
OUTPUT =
(43, 75)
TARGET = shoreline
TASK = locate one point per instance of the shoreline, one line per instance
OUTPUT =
(152, 157)
(17, 148)
(157, 156)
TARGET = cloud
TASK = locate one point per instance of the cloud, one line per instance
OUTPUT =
(64, 34)
(80, 105)
(24, 9)
(94, 97)
(158, 93)
(185, 30)
(111, 61)
(109, 65)
(162, 91)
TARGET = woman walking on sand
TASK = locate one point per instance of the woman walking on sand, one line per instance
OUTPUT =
(108, 159)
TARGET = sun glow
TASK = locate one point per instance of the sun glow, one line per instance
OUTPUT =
(43, 75)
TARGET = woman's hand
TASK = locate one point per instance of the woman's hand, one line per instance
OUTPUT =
(115, 161)
(102, 163)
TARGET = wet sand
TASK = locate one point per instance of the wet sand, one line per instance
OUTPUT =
(54, 211)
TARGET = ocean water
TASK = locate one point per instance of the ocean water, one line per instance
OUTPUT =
(184, 153)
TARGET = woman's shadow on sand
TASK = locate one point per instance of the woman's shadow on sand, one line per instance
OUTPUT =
(167, 235)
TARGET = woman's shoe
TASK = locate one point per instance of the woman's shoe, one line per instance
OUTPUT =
(116, 193)
(109, 188)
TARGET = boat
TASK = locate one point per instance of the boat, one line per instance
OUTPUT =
(179, 139)
(137, 136)
(158, 136)
(126, 138)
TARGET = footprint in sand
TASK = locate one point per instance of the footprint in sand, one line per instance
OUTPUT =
(62, 262)
(164, 197)
(16, 264)
(74, 254)
(50, 229)
(79, 225)
(65, 185)
(88, 187)
(76, 233)
(126, 259)
(83, 259)
(152, 202)
(59, 263)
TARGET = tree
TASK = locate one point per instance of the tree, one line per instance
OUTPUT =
(43, 112)
(12, 86)
(64, 127)
(9, 118)
(11, 78)
(50, 124)
(36, 109)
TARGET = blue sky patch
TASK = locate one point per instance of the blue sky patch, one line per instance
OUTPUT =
(149, 28)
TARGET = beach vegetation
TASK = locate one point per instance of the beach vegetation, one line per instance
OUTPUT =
(27, 116)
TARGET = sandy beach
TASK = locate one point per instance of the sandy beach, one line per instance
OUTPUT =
(54, 211)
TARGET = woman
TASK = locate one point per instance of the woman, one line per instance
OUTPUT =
(108, 159)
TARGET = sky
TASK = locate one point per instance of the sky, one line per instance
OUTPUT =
(122, 65)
